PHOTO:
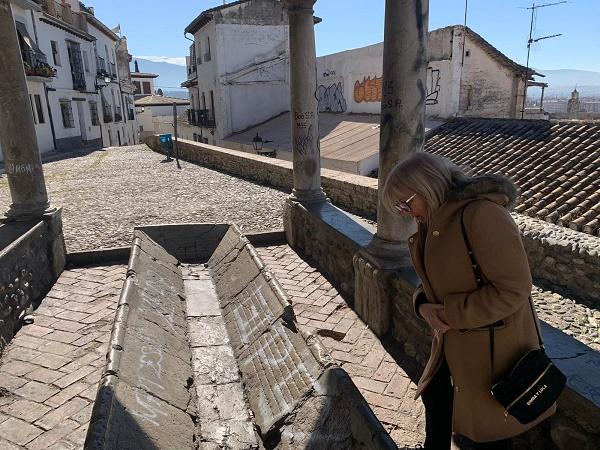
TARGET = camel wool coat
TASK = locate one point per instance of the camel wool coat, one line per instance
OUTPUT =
(442, 262)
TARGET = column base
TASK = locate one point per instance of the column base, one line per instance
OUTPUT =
(308, 196)
(374, 265)
(18, 213)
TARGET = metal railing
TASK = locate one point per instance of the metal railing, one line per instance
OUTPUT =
(107, 114)
(130, 115)
(113, 70)
(63, 11)
(118, 115)
(201, 118)
(101, 69)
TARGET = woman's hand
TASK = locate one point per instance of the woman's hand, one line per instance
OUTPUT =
(434, 316)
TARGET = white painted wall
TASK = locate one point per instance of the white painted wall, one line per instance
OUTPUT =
(252, 67)
(350, 81)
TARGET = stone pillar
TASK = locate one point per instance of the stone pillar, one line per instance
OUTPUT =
(304, 106)
(402, 133)
(17, 131)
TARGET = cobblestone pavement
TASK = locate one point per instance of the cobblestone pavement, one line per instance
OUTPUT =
(50, 371)
(106, 192)
(320, 309)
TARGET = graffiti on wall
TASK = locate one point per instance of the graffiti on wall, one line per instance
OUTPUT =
(433, 86)
(331, 98)
(370, 89)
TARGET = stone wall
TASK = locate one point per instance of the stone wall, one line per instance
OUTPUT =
(32, 256)
(560, 259)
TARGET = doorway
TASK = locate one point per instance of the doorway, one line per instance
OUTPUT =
(82, 126)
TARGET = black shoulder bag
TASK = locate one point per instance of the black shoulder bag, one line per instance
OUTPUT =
(534, 382)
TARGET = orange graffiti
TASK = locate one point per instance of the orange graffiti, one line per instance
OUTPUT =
(369, 90)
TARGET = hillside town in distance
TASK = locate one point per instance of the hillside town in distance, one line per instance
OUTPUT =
(299, 225)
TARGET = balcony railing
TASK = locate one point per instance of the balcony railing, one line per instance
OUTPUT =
(112, 70)
(107, 114)
(101, 66)
(63, 11)
(201, 118)
(130, 115)
(118, 115)
(36, 64)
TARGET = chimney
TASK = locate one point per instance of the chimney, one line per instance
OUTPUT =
(137, 69)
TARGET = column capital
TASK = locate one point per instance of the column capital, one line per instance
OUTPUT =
(299, 5)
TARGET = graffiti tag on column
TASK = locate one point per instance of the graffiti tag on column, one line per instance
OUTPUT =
(371, 89)
(331, 98)
(19, 169)
(304, 142)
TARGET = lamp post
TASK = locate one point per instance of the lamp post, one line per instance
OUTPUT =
(257, 142)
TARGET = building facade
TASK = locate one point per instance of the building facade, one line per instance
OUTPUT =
(71, 68)
(237, 67)
(143, 82)
(466, 76)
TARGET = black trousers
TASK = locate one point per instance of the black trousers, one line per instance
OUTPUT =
(437, 399)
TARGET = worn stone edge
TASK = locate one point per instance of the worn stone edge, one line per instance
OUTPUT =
(112, 255)
(363, 414)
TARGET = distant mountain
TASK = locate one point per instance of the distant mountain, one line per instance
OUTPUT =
(562, 81)
(170, 75)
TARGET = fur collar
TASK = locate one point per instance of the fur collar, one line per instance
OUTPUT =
(483, 185)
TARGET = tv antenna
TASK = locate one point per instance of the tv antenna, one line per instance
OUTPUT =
(530, 41)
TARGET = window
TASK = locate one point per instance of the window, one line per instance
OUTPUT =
(195, 137)
(138, 88)
(199, 58)
(32, 110)
(77, 75)
(38, 107)
(86, 62)
(146, 87)
(94, 113)
(203, 101)
(55, 54)
(67, 114)
(212, 105)
(207, 54)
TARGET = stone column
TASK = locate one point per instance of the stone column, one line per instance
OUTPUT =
(402, 130)
(402, 133)
(304, 106)
(22, 160)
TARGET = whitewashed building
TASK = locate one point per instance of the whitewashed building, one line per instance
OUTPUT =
(62, 45)
(155, 114)
(237, 67)
(143, 82)
(466, 76)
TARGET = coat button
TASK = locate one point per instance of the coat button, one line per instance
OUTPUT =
(436, 233)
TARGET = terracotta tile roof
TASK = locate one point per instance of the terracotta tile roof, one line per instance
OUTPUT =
(556, 164)
(160, 100)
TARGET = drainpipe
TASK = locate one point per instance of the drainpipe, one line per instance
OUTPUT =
(46, 89)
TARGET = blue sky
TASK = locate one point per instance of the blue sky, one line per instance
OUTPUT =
(155, 27)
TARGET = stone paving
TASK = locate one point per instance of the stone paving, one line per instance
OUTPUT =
(106, 192)
(50, 371)
(320, 309)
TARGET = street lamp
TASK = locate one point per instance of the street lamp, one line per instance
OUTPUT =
(102, 82)
(257, 142)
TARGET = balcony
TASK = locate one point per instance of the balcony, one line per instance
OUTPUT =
(201, 118)
(35, 64)
(63, 12)
(118, 115)
(130, 115)
(107, 114)
(101, 67)
(112, 70)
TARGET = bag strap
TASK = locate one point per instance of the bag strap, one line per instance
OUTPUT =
(479, 278)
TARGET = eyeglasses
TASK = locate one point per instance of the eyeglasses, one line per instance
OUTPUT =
(404, 207)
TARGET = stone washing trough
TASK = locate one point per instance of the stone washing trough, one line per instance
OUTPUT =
(205, 353)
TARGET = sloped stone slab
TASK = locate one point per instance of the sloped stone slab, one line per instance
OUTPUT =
(144, 397)
(237, 276)
(232, 241)
(278, 371)
(253, 310)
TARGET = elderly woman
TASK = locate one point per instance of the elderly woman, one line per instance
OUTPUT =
(455, 385)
